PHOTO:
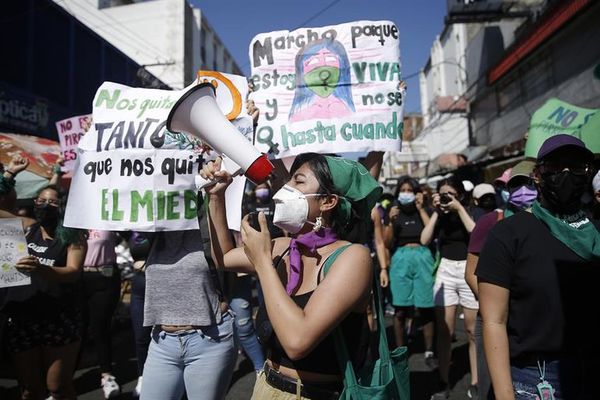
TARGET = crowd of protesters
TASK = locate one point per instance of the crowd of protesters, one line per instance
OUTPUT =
(518, 259)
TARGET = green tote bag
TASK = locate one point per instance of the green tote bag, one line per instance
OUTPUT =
(387, 377)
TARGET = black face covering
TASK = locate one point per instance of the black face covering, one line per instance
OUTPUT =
(409, 208)
(562, 191)
(46, 214)
(487, 202)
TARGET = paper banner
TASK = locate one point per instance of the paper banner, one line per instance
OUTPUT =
(559, 117)
(328, 90)
(131, 172)
(70, 131)
(13, 247)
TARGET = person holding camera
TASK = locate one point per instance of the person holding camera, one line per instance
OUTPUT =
(451, 225)
(411, 268)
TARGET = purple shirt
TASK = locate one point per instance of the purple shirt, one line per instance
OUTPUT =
(481, 230)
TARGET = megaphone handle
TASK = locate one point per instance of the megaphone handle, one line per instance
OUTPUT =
(202, 183)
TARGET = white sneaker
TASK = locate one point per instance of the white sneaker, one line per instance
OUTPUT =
(110, 387)
(137, 392)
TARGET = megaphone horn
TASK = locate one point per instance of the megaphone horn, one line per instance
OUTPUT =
(198, 114)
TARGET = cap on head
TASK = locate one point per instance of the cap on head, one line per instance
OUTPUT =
(504, 177)
(482, 189)
(468, 185)
(524, 168)
(561, 141)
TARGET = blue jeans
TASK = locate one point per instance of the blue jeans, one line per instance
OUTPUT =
(525, 381)
(240, 304)
(141, 333)
(199, 362)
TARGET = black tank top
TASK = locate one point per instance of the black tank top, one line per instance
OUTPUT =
(50, 253)
(323, 358)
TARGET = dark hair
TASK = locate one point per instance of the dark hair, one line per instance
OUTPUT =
(454, 183)
(318, 165)
(64, 235)
(416, 188)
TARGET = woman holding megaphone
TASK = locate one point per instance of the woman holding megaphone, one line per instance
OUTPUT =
(324, 198)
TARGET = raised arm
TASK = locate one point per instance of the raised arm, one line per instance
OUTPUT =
(345, 288)
(427, 232)
(373, 163)
(224, 252)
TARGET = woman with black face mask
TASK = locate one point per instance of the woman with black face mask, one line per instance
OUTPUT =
(45, 317)
(411, 270)
(451, 224)
(537, 275)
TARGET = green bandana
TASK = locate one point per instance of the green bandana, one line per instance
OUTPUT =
(358, 188)
(577, 232)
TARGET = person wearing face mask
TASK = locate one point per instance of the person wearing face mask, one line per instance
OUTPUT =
(451, 224)
(522, 194)
(44, 318)
(537, 274)
(323, 199)
(411, 270)
(484, 200)
(500, 188)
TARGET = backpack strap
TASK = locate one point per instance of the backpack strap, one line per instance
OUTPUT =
(332, 257)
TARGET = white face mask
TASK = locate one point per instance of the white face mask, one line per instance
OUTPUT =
(291, 209)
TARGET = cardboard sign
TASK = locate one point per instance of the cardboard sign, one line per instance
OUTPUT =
(131, 172)
(559, 117)
(13, 247)
(328, 90)
(70, 131)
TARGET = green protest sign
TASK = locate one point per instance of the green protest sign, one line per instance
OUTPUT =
(590, 133)
(556, 117)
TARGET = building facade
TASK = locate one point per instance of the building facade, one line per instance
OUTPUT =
(170, 38)
(442, 85)
(514, 70)
(52, 67)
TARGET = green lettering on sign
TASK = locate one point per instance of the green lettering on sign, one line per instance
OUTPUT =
(138, 201)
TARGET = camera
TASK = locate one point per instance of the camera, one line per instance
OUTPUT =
(445, 198)
(253, 220)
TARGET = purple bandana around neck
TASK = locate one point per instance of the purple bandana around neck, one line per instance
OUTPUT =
(311, 241)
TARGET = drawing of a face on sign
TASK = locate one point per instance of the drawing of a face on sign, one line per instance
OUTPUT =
(322, 82)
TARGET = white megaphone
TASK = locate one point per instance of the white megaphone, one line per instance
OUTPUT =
(198, 114)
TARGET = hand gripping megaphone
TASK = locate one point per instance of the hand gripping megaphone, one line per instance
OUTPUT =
(198, 114)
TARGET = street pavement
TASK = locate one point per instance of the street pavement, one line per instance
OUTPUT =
(87, 381)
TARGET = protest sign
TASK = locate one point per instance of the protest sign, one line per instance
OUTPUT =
(131, 172)
(70, 131)
(559, 117)
(328, 90)
(13, 247)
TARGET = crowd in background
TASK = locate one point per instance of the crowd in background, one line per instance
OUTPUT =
(516, 259)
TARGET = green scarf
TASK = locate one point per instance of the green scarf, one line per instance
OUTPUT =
(359, 190)
(577, 232)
